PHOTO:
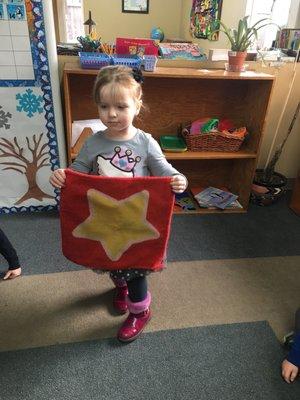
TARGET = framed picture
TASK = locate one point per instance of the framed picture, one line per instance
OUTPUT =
(135, 6)
(204, 19)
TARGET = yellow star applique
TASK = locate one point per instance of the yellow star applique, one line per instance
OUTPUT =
(116, 224)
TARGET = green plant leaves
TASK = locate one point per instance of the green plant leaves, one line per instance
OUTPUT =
(241, 38)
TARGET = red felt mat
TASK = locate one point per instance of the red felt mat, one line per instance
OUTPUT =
(115, 223)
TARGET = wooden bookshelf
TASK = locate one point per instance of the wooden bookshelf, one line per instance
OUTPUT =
(176, 96)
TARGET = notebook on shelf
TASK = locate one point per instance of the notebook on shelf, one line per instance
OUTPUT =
(186, 51)
(212, 197)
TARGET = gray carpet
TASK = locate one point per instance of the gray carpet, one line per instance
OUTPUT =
(263, 232)
(272, 231)
(222, 362)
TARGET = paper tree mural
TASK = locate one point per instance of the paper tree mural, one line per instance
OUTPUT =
(29, 103)
(28, 136)
(4, 118)
(26, 162)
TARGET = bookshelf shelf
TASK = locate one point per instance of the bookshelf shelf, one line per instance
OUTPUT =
(208, 155)
(209, 211)
(176, 96)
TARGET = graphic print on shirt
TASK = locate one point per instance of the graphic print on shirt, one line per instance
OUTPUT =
(121, 163)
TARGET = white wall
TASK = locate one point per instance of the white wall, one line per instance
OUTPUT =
(232, 11)
(284, 100)
(294, 15)
(112, 23)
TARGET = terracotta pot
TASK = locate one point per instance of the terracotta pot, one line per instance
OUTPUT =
(236, 60)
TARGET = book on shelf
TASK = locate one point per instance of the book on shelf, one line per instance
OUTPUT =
(212, 198)
(136, 46)
(186, 51)
(185, 201)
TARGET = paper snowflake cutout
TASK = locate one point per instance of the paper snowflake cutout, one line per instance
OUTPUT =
(4, 119)
(29, 103)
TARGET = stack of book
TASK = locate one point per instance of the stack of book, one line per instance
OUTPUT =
(212, 197)
(184, 201)
(186, 51)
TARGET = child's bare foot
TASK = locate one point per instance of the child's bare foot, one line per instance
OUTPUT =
(12, 273)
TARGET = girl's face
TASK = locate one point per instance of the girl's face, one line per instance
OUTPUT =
(117, 109)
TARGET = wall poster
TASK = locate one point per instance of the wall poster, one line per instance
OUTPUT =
(204, 18)
(28, 142)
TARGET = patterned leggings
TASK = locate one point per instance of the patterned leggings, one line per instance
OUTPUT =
(297, 321)
(137, 286)
(8, 251)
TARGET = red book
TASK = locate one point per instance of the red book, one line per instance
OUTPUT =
(136, 46)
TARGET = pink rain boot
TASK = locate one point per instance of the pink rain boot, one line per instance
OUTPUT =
(139, 316)
(120, 295)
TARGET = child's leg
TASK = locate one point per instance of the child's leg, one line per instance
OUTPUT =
(8, 251)
(138, 302)
(137, 289)
(120, 295)
(297, 321)
(288, 339)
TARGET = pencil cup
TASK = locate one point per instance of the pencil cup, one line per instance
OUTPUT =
(150, 62)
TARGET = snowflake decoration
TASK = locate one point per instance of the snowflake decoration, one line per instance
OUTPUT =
(4, 116)
(29, 103)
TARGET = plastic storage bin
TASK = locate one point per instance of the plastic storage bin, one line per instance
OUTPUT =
(128, 60)
(150, 62)
(89, 60)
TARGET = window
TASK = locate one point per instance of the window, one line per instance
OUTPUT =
(74, 20)
(70, 18)
(276, 10)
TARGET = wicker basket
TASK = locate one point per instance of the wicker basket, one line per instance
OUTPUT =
(213, 141)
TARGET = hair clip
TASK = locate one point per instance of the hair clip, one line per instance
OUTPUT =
(137, 75)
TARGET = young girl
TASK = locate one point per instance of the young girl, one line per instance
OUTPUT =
(290, 367)
(10, 254)
(118, 95)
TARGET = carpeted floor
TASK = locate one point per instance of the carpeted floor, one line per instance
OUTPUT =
(227, 297)
(217, 362)
(262, 232)
(41, 310)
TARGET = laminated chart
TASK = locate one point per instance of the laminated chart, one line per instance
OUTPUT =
(15, 50)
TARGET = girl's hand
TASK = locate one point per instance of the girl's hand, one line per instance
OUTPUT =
(178, 183)
(289, 371)
(12, 273)
(58, 178)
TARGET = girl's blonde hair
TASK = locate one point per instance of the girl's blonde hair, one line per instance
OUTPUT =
(119, 75)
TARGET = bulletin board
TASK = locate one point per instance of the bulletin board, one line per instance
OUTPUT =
(28, 139)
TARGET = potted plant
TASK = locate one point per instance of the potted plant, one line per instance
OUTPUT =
(269, 185)
(268, 177)
(240, 40)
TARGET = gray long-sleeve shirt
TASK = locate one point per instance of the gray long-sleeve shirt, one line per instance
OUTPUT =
(139, 156)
